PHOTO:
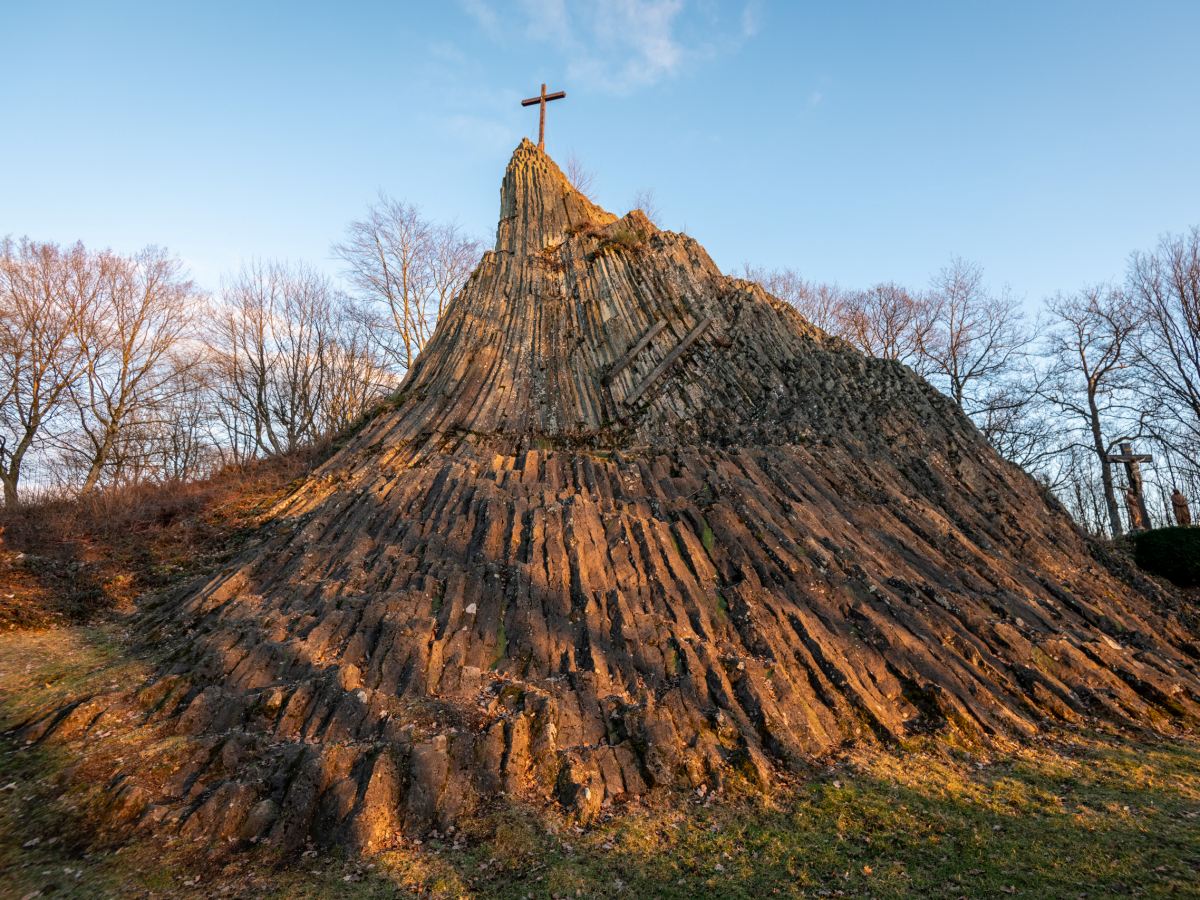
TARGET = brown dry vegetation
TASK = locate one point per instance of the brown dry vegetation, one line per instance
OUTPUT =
(65, 561)
(752, 615)
(792, 549)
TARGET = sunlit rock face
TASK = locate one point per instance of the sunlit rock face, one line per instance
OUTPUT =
(628, 525)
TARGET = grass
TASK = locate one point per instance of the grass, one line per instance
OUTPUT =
(501, 642)
(722, 608)
(65, 561)
(1076, 816)
(621, 237)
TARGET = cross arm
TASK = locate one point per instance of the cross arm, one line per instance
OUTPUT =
(534, 101)
(1139, 457)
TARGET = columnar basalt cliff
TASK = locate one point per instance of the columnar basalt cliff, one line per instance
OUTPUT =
(628, 524)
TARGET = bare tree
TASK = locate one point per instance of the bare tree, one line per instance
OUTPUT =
(272, 336)
(975, 340)
(889, 322)
(1090, 347)
(646, 200)
(44, 290)
(141, 314)
(580, 177)
(1013, 416)
(1166, 286)
(404, 269)
(177, 445)
(1078, 485)
(242, 358)
(290, 364)
(824, 305)
(174, 443)
(354, 378)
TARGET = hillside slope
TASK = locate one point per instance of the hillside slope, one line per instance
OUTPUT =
(629, 523)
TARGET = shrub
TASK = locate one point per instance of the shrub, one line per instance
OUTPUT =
(626, 238)
(1173, 553)
(622, 237)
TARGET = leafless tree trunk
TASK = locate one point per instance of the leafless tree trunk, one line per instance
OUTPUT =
(1091, 348)
(976, 337)
(404, 270)
(177, 445)
(291, 365)
(241, 355)
(143, 311)
(44, 290)
(1166, 286)
(889, 322)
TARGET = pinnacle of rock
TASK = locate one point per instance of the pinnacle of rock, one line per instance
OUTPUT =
(538, 206)
(628, 525)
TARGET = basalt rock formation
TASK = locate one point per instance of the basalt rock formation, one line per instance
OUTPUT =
(628, 523)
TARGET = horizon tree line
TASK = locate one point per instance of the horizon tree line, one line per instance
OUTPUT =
(1054, 393)
(117, 369)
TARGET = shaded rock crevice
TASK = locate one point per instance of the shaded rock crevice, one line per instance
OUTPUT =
(576, 563)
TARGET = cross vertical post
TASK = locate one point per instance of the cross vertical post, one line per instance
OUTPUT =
(541, 100)
(1139, 516)
(542, 119)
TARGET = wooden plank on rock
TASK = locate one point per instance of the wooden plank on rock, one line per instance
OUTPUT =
(662, 367)
(637, 348)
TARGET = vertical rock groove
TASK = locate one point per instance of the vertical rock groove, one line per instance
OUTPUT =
(628, 524)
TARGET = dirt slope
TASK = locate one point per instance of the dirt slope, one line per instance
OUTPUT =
(630, 523)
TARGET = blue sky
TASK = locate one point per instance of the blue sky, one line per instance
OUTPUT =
(855, 142)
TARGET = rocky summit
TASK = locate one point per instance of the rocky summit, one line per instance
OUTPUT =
(628, 525)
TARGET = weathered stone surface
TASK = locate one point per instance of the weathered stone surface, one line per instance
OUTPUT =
(575, 573)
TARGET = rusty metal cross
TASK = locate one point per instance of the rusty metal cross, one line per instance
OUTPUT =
(541, 100)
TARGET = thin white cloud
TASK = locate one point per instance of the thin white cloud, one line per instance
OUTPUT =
(615, 45)
(483, 14)
(639, 36)
(750, 20)
(547, 20)
(817, 95)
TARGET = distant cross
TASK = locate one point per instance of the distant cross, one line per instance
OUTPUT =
(541, 100)
(1133, 474)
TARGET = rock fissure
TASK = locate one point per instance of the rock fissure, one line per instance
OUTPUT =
(628, 524)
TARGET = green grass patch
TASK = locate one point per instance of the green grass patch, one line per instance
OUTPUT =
(722, 608)
(501, 642)
(672, 662)
(1099, 816)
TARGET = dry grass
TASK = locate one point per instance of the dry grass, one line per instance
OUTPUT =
(1072, 816)
(620, 237)
(65, 561)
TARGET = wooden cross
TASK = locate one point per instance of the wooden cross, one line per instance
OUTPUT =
(1133, 474)
(541, 100)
